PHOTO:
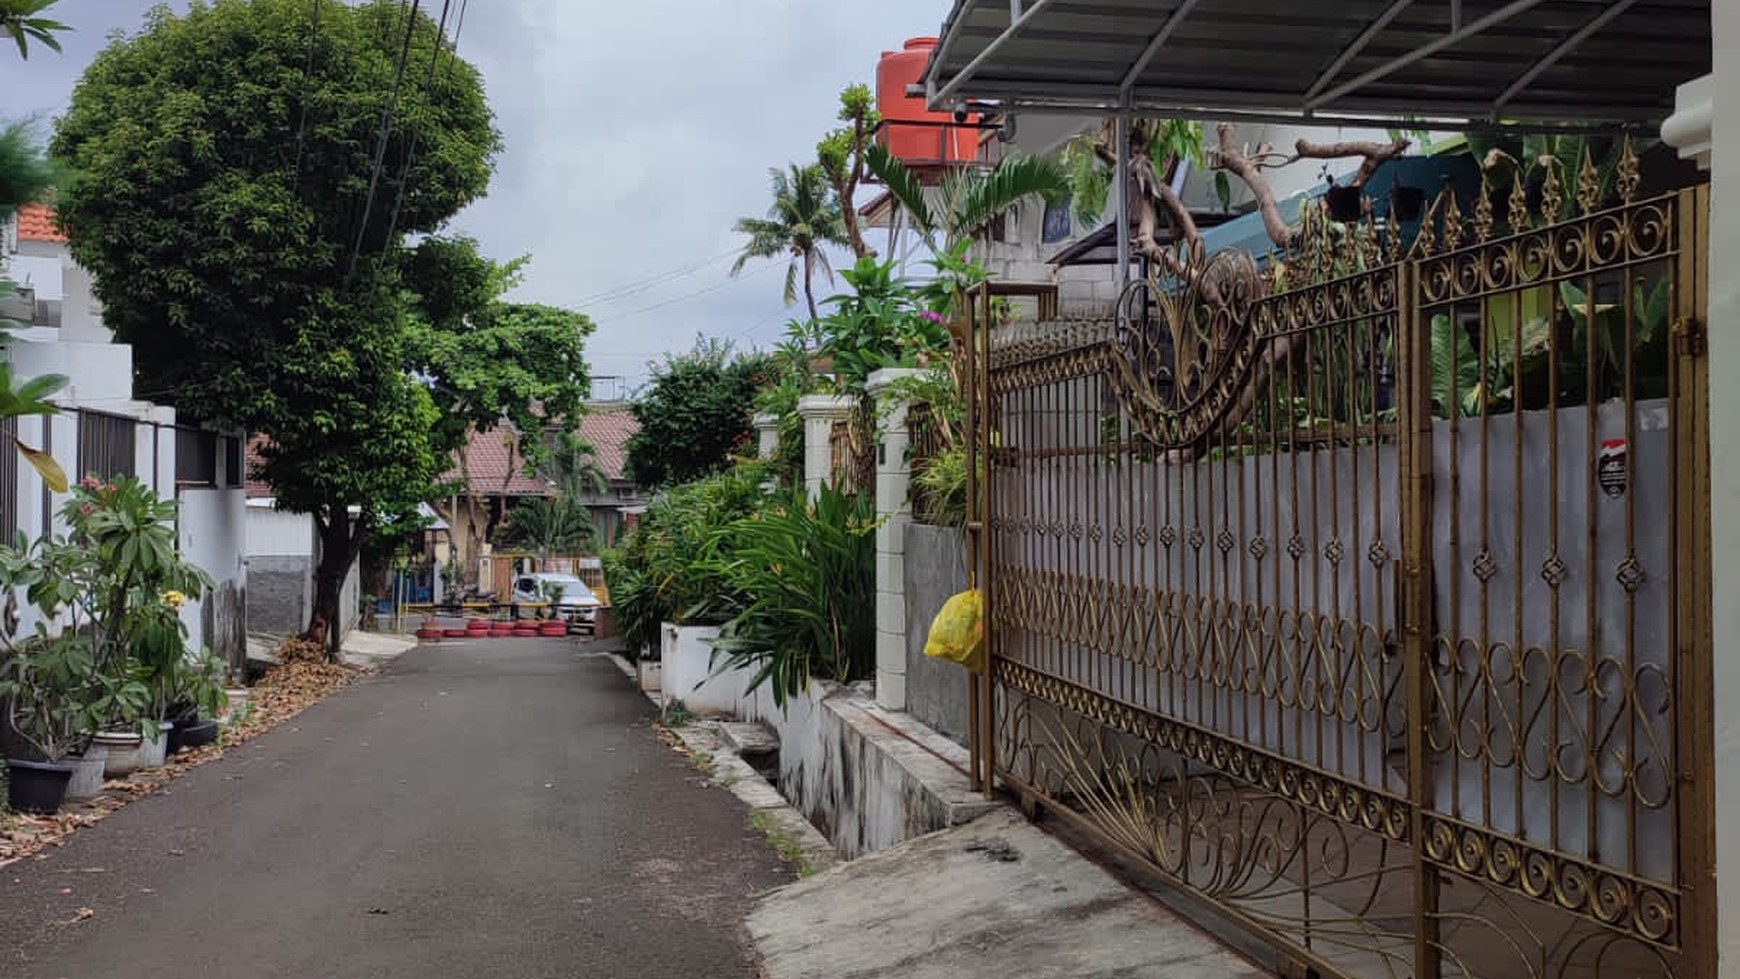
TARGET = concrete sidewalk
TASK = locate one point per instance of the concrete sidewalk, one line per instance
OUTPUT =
(997, 897)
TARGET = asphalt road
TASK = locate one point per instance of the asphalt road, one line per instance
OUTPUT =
(497, 808)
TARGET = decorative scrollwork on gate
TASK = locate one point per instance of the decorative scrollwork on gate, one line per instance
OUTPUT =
(1183, 356)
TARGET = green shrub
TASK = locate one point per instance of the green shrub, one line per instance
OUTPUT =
(808, 573)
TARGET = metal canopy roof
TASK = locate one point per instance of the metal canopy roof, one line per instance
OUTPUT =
(1557, 62)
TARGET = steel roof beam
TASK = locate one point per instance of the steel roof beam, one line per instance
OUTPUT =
(1455, 37)
(1348, 53)
(1565, 47)
(1155, 43)
(941, 96)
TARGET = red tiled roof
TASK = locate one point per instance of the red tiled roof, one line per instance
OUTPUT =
(494, 466)
(252, 486)
(36, 223)
(607, 427)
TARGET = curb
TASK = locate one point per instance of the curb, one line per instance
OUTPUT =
(777, 816)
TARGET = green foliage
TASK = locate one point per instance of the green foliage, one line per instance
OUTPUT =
(794, 376)
(695, 413)
(882, 322)
(673, 565)
(549, 525)
(808, 573)
(634, 602)
(969, 199)
(244, 242)
(841, 157)
(225, 187)
(1089, 171)
(486, 360)
(108, 647)
(940, 484)
(19, 20)
(805, 216)
(26, 173)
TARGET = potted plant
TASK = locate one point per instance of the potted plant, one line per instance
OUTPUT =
(59, 695)
(1345, 203)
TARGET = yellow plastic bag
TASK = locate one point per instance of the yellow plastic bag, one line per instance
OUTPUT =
(958, 631)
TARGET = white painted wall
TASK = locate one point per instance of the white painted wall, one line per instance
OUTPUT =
(275, 533)
(211, 530)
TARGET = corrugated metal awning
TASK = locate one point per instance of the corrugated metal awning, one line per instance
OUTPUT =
(1523, 62)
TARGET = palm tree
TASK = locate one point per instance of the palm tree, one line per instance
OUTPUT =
(549, 525)
(574, 468)
(968, 199)
(804, 217)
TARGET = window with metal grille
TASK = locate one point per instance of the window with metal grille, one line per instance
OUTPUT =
(8, 479)
(107, 446)
(196, 458)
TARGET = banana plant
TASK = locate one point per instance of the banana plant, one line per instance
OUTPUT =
(20, 20)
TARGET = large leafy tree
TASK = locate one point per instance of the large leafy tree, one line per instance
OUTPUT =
(695, 413)
(250, 170)
(489, 362)
(803, 219)
(842, 157)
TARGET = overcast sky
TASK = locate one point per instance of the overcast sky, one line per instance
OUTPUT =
(636, 133)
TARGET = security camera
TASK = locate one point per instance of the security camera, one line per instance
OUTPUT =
(960, 117)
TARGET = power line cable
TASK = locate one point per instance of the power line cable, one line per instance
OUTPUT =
(626, 289)
(692, 295)
(307, 78)
(428, 91)
(388, 111)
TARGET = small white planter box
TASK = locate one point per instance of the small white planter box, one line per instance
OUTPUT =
(651, 675)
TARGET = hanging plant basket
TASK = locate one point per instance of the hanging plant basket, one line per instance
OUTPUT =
(1406, 203)
(1344, 203)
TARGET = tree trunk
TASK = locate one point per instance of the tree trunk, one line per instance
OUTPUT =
(340, 542)
(809, 284)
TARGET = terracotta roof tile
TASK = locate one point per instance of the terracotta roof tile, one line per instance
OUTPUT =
(36, 223)
(254, 488)
(495, 466)
(607, 427)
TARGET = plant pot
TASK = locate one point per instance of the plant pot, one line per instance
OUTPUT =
(122, 758)
(1406, 203)
(651, 675)
(238, 697)
(172, 740)
(197, 734)
(36, 787)
(1344, 203)
(87, 771)
(154, 751)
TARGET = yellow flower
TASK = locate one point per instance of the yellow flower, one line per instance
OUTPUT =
(173, 599)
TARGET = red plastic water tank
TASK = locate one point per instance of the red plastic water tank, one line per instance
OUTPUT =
(912, 133)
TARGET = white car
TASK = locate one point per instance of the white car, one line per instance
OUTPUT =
(569, 598)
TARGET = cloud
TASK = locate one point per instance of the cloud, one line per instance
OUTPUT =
(636, 133)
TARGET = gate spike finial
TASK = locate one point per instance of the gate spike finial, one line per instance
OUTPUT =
(1588, 184)
(1483, 217)
(1628, 177)
(1519, 206)
(1552, 194)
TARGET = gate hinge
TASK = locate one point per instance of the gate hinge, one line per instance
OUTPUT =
(1689, 337)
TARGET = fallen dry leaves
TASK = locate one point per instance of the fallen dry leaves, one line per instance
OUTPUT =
(285, 691)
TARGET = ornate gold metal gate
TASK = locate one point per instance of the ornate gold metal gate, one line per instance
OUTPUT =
(1361, 590)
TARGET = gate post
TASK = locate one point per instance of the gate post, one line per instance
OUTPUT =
(820, 412)
(893, 513)
(1415, 401)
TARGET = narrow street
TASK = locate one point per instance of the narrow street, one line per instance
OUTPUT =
(495, 809)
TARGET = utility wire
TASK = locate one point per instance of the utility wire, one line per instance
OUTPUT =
(428, 92)
(307, 78)
(387, 113)
(692, 295)
(641, 285)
